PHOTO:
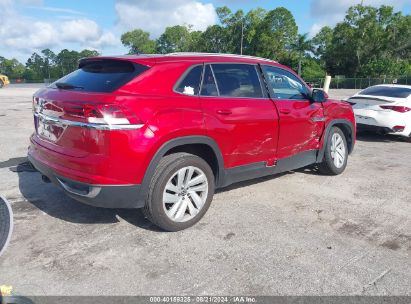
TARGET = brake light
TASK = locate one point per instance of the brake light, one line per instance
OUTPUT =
(110, 114)
(95, 113)
(398, 128)
(400, 109)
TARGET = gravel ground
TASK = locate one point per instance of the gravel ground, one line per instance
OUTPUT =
(299, 233)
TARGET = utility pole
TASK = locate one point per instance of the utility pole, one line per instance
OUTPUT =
(242, 37)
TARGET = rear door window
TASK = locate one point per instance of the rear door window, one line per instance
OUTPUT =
(237, 80)
(100, 76)
(209, 87)
(190, 82)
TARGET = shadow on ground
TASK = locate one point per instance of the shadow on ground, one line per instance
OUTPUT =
(376, 137)
(52, 200)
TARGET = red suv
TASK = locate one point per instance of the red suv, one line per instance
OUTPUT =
(162, 132)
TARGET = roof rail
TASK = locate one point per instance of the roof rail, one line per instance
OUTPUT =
(217, 54)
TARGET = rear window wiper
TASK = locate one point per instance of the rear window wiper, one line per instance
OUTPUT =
(67, 86)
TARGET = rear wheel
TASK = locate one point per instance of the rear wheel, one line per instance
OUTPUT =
(335, 154)
(180, 192)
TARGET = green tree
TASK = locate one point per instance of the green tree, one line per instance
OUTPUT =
(138, 42)
(234, 26)
(368, 42)
(313, 69)
(89, 53)
(275, 35)
(252, 22)
(11, 67)
(35, 64)
(301, 46)
(67, 61)
(174, 39)
(213, 40)
(322, 41)
(49, 60)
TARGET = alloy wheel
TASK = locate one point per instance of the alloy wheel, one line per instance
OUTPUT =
(185, 194)
(337, 150)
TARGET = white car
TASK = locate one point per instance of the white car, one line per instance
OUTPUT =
(385, 108)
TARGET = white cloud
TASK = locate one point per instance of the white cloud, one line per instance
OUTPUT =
(79, 30)
(155, 15)
(104, 40)
(20, 34)
(56, 10)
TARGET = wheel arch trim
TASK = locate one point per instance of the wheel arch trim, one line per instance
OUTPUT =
(331, 124)
(174, 143)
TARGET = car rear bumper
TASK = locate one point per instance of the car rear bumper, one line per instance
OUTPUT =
(383, 121)
(105, 196)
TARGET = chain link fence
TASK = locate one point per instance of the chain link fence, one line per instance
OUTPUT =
(22, 80)
(358, 83)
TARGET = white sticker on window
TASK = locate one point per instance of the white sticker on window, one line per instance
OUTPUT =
(188, 90)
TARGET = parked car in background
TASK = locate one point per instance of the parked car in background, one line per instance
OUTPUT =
(384, 108)
(162, 132)
(4, 80)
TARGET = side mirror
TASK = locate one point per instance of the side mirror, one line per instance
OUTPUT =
(318, 95)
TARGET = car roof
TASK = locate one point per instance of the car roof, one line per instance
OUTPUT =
(392, 86)
(151, 59)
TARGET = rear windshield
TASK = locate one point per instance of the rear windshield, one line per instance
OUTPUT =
(397, 92)
(100, 76)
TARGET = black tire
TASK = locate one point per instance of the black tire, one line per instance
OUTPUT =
(327, 166)
(169, 166)
(6, 224)
(1, 84)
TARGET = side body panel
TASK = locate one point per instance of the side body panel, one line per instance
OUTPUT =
(301, 126)
(245, 129)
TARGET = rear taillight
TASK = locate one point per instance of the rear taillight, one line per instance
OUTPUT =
(99, 113)
(398, 128)
(400, 109)
(85, 112)
(110, 114)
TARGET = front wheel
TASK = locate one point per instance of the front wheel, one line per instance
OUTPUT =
(180, 192)
(335, 154)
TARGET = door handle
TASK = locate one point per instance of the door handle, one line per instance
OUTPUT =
(285, 111)
(224, 112)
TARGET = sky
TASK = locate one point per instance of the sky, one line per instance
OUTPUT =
(28, 26)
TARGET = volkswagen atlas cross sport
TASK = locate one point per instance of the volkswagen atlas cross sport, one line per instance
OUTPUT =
(162, 132)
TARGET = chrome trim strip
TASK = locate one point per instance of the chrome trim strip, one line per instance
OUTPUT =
(65, 122)
(94, 191)
(318, 119)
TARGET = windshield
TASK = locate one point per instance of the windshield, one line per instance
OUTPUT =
(396, 92)
(100, 76)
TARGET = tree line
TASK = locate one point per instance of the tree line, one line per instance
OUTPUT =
(46, 65)
(368, 42)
